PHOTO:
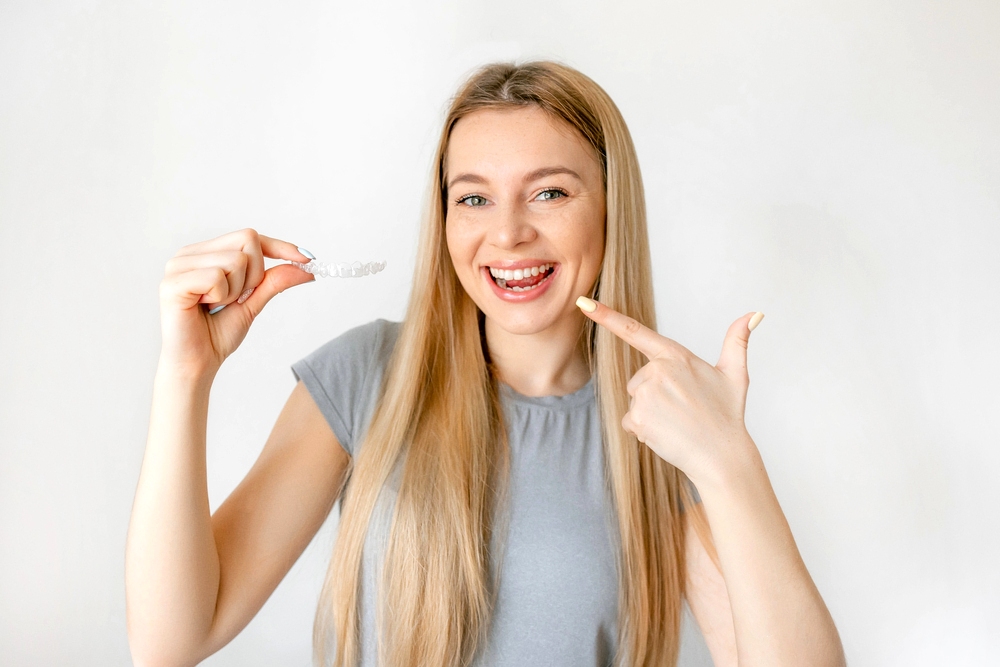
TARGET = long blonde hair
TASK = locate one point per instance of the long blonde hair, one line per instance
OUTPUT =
(440, 417)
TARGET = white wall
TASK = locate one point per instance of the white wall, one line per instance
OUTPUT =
(834, 164)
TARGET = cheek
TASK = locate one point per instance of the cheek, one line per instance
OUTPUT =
(592, 244)
(454, 242)
(597, 243)
(461, 248)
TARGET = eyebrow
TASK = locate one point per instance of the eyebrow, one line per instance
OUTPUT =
(529, 178)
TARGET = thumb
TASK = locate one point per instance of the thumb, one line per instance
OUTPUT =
(733, 360)
(276, 280)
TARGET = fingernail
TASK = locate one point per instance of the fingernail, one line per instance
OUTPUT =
(216, 309)
(245, 295)
(586, 304)
(755, 320)
(306, 253)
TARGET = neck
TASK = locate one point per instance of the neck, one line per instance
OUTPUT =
(547, 363)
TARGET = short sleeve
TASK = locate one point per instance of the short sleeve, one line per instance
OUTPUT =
(694, 492)
(344, 378)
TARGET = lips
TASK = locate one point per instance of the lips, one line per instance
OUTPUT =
(521, 279)
(529, 279)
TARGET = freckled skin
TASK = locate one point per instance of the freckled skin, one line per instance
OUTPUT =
(509, 218)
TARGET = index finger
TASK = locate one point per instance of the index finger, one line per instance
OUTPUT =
(248, 240)
(629, 330)
(278, 249)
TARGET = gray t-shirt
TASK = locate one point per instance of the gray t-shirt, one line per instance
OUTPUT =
(557, 600)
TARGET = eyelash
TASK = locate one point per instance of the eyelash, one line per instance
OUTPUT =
(464, 198)
(561, 192)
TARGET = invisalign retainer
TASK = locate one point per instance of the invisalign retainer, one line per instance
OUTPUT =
(340, 269)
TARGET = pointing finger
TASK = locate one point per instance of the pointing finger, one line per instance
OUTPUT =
(629, 330)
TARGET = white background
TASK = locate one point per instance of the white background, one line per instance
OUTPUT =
(834, 164)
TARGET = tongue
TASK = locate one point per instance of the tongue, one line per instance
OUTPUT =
(527, 282)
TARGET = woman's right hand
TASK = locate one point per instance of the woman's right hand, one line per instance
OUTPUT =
(212, 273)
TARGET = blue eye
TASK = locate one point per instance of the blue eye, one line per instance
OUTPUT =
(472, 200)
(549, 195)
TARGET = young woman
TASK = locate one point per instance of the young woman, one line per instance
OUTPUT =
(525, 465)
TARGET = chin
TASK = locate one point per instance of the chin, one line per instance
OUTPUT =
(519, 328)
(522, 323)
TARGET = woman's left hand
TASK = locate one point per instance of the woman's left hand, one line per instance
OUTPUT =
(686, 410)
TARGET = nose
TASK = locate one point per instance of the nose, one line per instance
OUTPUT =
(512, 228)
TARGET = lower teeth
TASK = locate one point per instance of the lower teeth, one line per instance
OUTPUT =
(503, 285)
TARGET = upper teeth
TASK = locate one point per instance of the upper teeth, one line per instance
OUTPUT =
(519, 274)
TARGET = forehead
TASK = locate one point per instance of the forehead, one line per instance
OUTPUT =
(506, 142)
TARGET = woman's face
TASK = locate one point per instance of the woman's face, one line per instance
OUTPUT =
(525, 216)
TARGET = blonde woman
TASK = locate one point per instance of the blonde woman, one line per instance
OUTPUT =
(527, 477)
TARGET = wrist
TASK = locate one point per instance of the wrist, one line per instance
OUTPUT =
(191, 376)
(742, 466)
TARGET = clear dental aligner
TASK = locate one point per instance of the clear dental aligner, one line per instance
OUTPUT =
(340, 269)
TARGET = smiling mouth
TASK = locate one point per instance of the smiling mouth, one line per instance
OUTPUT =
(521, 280)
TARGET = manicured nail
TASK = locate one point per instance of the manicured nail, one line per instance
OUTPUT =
(245, 295)
(306, 253)
(755, 320)
(586, 304)
(216, 309)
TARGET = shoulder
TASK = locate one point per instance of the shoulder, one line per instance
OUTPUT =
(370, 337)
(356, 348)
(344, 376)
(372, 332)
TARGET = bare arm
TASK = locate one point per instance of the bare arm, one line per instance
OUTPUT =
(778, 615)
(269, 519)
(193, 581)
(778, 610)
(691, 414)
(171, 564)
(706, 593)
